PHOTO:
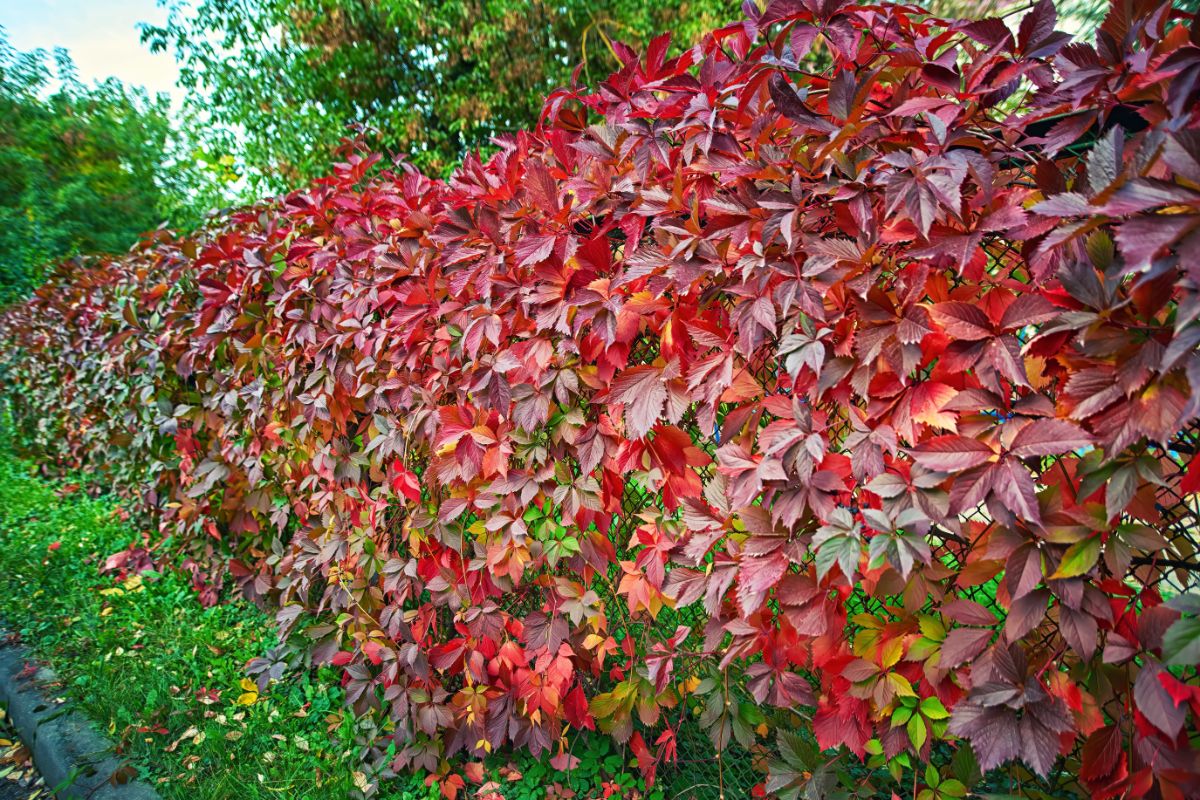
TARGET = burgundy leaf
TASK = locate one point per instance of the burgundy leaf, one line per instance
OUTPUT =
(1155, 703)
(962, 645)
(1027, 611)
(968, 612)
(962, 321)
(951, 453)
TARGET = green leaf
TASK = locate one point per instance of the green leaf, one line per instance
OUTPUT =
(932, 708)
(931, 627)
(841, 550)
(1079, 558)
(1181, 642)
(952, 788)
(965, 766)
(917, 732)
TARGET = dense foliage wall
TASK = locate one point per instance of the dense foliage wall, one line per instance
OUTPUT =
(855, 406)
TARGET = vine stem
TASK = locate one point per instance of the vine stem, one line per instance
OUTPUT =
(721, 750)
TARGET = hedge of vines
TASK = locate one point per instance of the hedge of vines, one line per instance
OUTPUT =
(833, 302)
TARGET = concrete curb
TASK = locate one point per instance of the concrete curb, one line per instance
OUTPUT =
(63, 742)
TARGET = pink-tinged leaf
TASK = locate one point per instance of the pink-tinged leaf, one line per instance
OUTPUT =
(1181, 150)
(1023, 571)
(962, 321)
(967, 612)
(1047, 437)
(1067, 204)
(756, 577)
(1080, 631)
(1142, 239)
(1013, 486)
(1064, 132)
(962, 645)
(534, 249)
(685, 586)
(1040, 727)
(644, 392)
(1155, 703)
(993, 732)
(972, 487)
(1028, 309)
(1146, 193)
(951, 453)
(1104, 163)
(1004, 354)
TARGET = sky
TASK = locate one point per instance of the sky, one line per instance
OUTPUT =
(101, 36)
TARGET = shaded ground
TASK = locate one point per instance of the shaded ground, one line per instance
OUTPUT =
(19, 780)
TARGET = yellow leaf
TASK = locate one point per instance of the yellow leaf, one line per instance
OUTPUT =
(892, 652)
(900, 685)
(249, 694)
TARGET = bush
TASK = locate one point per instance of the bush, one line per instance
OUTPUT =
(733, 390)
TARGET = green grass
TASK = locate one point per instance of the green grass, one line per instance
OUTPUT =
(134, 658)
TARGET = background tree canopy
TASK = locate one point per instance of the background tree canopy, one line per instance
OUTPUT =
(276, 81)
(82, 169)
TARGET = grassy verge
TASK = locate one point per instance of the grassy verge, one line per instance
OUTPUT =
(158, 672)
(163, 676)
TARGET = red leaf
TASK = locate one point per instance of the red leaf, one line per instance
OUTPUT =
(968, 612)
(1046, 437)
(576, 711)
(1013, 486)
(962, 321)
(952, 453)
(756, 576)
(962, 645)
(405, 482)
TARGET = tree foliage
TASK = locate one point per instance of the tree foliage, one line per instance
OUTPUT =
(731, 389)
(82, 169)
(276, 82)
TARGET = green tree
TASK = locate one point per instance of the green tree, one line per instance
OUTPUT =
(82, 169)
(275, 82)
